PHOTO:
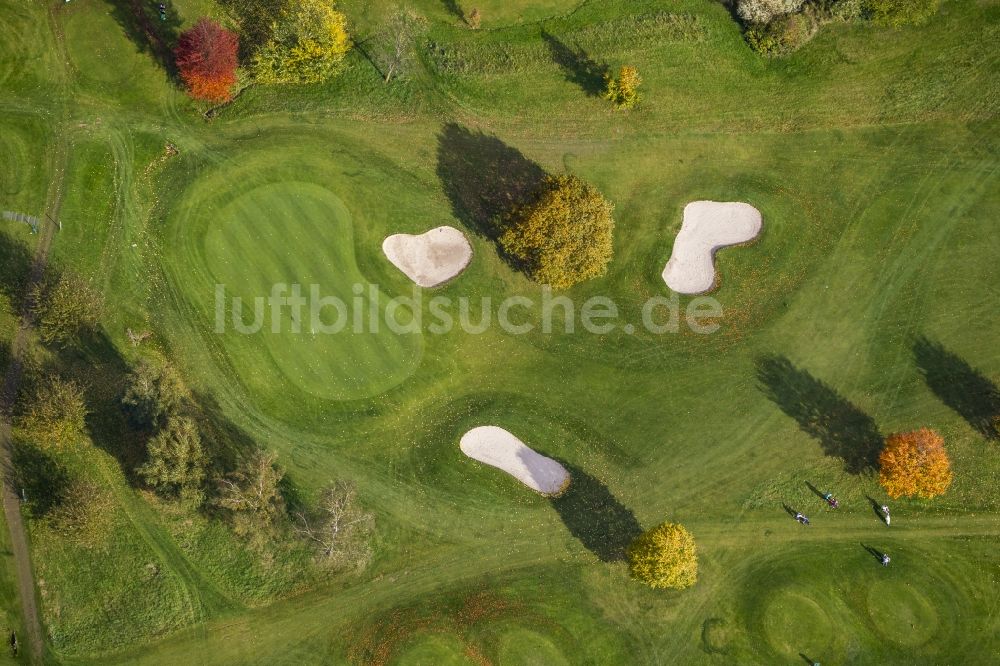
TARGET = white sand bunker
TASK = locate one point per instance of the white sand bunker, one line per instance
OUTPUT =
(497, 447)
(431, 258)
(707, 227)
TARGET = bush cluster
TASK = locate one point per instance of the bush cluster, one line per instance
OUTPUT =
(782, 35)
(777, 27)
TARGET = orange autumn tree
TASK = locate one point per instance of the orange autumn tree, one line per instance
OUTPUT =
(207, 59)
(915, 463)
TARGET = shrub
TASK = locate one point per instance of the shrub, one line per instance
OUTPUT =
(664, 557)
(57, 416)
(764, 11)
(176, 462)
(782, 35)
(845, 10)
(896, 13)
(915, 464)
(475, 19)
(251, 496)
(64, 308)
(307, 44)
(623, 90)
(564, 237)
(84, 515)
(152, 393)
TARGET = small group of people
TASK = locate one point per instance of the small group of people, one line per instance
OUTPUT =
(834, 504)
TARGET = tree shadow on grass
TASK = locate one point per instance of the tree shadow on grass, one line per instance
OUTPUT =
(96, 364)
(15, 269)
(578, 67)
(959, 386)
(5, 360)
(225, 442)
(454, 9)
(843, 430)
(255, 19)
(593, 515)
(484, 178)
(38, 477)
(140, 19)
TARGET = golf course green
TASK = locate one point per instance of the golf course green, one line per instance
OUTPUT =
(866, 306)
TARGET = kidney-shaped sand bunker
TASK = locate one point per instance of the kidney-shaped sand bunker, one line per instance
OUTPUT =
(499, 448)
(707, 227)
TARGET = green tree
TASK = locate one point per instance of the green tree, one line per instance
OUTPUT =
(56, 417)
(307, 43)
(664, 557)
(153, 391)
(175, 461)
(251, 495)
(564, 237)
(896, 13)
(623, 90)
(65, 308)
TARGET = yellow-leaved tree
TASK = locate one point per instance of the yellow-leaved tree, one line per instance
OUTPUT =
(564, 237)
(914, 464)
(307, 43)
(623, 90)
(664, 557)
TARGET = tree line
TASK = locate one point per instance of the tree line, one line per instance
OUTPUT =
(182, 456)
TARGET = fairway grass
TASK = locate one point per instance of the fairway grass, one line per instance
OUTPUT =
(872, 154)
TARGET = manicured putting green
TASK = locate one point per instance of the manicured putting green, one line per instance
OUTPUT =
(435, 650)
(793, 623)
(301, 233)
(901, 613)
(523, 647)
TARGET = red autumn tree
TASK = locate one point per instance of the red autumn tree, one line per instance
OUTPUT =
(206, 59)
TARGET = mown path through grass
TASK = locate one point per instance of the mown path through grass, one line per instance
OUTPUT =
(757, 540)
(11, 496)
